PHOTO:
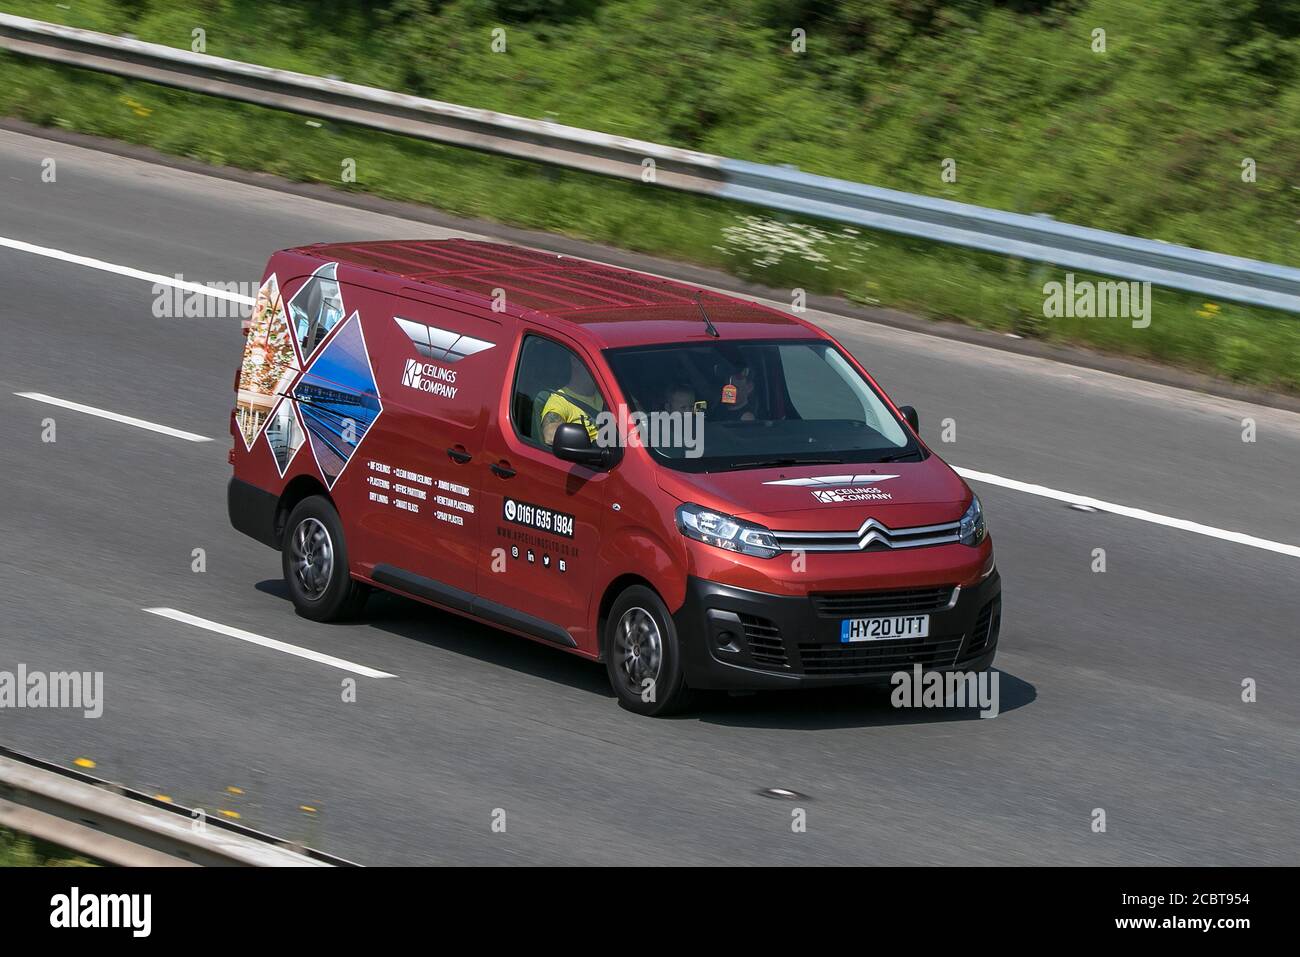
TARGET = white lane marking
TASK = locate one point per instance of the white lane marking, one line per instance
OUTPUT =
(103, 266)
(1141, 514)
(287, 648)
(1137, 513)
(104, 414)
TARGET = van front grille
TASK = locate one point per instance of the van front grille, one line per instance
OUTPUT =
(871, 535)
(765, 645)
(898, 602)
(877, 657)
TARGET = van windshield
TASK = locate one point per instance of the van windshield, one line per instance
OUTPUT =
(720, 406)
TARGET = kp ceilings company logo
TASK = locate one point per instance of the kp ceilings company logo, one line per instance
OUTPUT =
(866, 493)
(442, 346)
(411, 375)
(841, 488)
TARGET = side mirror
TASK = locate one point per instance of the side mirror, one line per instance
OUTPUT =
(573, 444)
(909, 413)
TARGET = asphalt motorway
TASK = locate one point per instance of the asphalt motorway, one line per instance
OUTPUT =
(1120, 690)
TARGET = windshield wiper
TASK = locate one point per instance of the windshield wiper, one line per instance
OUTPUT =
(899, 456)
(773, 463)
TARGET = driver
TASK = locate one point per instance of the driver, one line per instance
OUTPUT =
(578, 400)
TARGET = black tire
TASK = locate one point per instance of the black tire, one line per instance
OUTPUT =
(630, 658)
(315, 562)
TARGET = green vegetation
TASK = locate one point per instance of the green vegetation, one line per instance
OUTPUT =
(18, 850)
(1146, 138)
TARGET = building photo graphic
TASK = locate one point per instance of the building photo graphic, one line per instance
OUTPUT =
(270, 361)
(338, 399)
(316, 308)
(284, 433)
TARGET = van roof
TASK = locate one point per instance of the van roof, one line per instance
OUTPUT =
(616, 307)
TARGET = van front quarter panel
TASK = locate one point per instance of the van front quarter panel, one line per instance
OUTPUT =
(641, 552)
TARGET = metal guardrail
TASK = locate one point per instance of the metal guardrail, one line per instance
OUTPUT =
(1029, 237)
(121, 826)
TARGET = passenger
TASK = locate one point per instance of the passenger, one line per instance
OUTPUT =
(680, 397)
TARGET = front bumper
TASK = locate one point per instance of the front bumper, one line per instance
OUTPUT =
(737, 639)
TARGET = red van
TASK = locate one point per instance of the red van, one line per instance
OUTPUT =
(701, 492)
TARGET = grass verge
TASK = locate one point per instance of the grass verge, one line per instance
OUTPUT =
(19, 850)
(1255, 347)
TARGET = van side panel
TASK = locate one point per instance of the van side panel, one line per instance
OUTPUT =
(437, 368)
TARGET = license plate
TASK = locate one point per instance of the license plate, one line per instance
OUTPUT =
(884, 629)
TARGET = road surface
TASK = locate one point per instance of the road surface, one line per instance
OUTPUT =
(1120, 690)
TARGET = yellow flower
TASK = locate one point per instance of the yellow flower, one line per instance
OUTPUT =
(139, 109)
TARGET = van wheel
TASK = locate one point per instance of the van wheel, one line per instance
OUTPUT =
(315, 561)
(642, 655)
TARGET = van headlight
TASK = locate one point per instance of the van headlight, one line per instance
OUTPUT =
(973, 530)
(726, 531)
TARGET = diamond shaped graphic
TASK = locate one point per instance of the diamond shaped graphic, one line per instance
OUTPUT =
(338, 399)
(270, 362)
(285, 434)
(316, 308)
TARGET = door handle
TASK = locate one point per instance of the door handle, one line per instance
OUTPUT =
(502, 470)
(457, 453)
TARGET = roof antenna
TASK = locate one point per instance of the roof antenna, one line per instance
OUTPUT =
(708, 323)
